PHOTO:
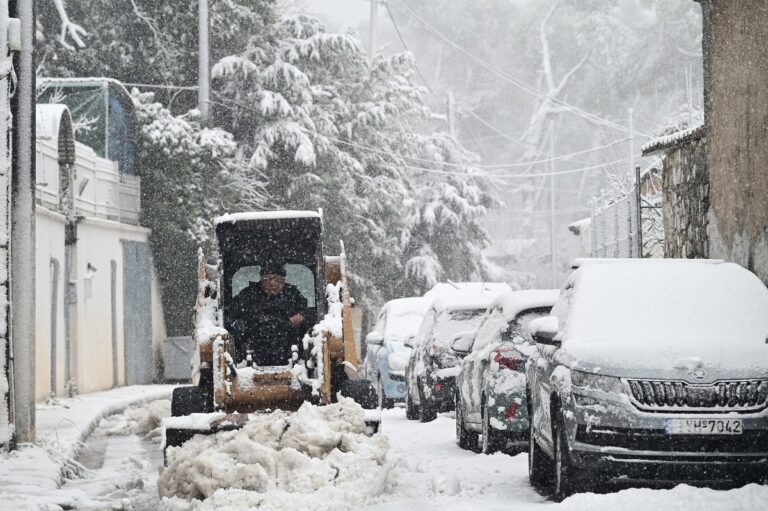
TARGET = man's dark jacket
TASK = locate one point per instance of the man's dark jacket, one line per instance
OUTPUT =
(271, 342)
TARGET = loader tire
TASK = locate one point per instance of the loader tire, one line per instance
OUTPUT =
(362, 392)
(189, 400)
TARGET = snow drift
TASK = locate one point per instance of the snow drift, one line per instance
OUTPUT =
(317, 457)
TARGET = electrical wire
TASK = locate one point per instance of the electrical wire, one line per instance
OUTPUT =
(514, 81)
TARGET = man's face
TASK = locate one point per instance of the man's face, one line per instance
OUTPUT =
(272, 284)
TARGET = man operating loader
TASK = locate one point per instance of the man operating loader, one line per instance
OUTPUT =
(269, 317)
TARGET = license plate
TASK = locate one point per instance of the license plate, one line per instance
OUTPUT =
(703, 426)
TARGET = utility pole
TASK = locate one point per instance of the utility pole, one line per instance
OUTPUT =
(374, 21)
(451, 114)
(552, 241)
(203, 99)
(22, 274)
(631, 140)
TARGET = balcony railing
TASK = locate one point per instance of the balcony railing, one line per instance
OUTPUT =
(99, 189)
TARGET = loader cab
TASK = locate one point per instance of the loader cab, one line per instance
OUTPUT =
(248, 241)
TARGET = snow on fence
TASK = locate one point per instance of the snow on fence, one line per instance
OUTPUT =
(614, 226)
(100, 189)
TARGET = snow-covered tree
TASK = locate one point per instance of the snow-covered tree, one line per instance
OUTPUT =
(324, 128)
(190, 175)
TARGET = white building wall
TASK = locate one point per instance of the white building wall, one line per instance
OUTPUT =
(107, 203)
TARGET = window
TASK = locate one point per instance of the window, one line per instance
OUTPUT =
(490, 330)
(518, 327)
(296, 274)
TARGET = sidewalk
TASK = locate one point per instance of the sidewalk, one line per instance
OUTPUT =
(31, 475)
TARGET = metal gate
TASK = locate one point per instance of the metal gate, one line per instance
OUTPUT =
(137, 313)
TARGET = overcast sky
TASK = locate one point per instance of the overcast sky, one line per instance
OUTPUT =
(341, 14)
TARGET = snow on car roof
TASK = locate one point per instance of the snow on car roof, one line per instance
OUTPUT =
(581, 261)
(407, 306)
(443, 289)
(404, 315)
(517, 301)
(465, 302)
(265, 215)
(656, 307)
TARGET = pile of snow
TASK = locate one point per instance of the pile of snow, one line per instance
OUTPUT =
(316, 458)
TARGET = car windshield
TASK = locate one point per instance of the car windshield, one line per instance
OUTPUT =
(450, 323)
(402, 326)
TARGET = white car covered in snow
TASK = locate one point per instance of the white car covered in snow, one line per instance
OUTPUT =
(386, 352)
(651, 370)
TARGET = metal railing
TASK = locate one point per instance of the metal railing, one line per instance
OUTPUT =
(100, 190)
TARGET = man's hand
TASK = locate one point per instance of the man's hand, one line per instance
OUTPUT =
(296, 320)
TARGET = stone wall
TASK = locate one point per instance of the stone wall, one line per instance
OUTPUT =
(686, 200)
(736, 116)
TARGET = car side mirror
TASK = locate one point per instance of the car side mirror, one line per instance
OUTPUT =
(545, 331)
(409, 341)
(462, 343)
(374, 338)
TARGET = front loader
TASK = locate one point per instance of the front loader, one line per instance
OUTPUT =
(316, 364)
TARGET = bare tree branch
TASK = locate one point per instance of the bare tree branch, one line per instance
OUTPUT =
(75, 31)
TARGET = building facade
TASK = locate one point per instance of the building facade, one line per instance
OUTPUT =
(99, 321)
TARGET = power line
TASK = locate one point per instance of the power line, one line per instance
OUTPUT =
(157, 86)
(469, 165)
(480, 119)
(514, 81)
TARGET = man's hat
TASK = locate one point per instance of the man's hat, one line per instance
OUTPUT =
(272, 268)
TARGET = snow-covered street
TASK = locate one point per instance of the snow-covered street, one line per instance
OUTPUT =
(118, 468)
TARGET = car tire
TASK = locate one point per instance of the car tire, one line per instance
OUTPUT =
(411, 412)
(361, 391)
(464, 438)
(564, 474)
(539, 464)
(493, 440)
(427, 411)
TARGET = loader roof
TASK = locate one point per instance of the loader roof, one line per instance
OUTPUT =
(265, 215)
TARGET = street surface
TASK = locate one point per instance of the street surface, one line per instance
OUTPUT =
(428, 470)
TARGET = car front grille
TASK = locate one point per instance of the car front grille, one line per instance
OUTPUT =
(679, 396)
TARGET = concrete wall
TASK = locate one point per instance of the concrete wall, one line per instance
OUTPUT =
(99, 242)
(686, 201)
(736, 113)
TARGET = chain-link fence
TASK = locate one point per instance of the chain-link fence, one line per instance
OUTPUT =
(627, 222)
(614, 226)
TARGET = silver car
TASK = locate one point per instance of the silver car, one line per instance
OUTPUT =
(651, 370)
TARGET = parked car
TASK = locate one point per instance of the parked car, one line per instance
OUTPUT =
(490, 387)
(651, 370)
(387, 354)
(432, 367)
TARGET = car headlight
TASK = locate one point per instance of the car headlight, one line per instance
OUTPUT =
(599, 382)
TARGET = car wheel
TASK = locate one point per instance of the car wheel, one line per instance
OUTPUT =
(464, 438)
(411, 412)
(493, 440)
(564, 474)
(427, 411)
(539, 465)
